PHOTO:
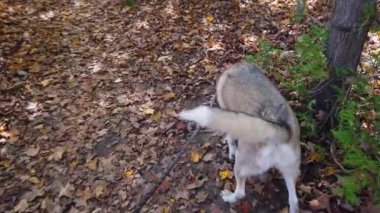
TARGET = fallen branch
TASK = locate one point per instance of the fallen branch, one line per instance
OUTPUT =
(13, 87)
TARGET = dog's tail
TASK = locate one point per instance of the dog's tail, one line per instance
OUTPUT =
(239, 125)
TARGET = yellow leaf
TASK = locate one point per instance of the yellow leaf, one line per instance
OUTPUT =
(166, 209)
(224, 174)
(195, 156)
(292, 14)
(168, 96)
(75, 42)
(315, 157)
(330, 170)
(45, 82)
(210, 18)
(35, 67)
(128, 173)
(33, 171)
(156, 116)
(73, 164)
(285, 21)
(378, 83)
(148, 111)
(92, 164)
(34, 180)
(4, 164)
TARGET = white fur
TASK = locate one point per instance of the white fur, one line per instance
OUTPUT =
(201, 115)
(262, 145)
(231, 146)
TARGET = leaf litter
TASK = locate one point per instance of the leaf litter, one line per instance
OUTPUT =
(88, 96)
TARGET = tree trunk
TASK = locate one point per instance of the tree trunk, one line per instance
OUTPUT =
(349, 26)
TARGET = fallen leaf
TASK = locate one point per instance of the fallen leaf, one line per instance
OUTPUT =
(315, 157)
(48, 205)
(128, 173)
(208, 157)
(156, 116)
(224, 174)
(67, 190)
(57, 155)
(201, 196)
(284, 210)
(164, 186)
(45, 82)
(305, 189)
(148, 111)
(244, 207)
(168, 96)
(34, 180)
(197, 184)
(182, 195)
(31, 195)
(21, 206)
(31, 152)
(92, 164)
(165, 209)
(34, 68)
(99, 189)
(330, 171)
(285, 21)
(4, 164)
(321, 203)
(210, 19)
(195, 156)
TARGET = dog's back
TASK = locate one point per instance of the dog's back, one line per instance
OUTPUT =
(244, 88)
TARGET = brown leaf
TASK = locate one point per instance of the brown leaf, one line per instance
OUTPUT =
(31, 152)
(48, 205)
(21, 206)
(164, 186)
(67, 190)
(99, 190)
(244, 207)
(197, 184)
(208, 157)
(57, 155)
(321, 203)
(201, 196)
(92, 164)
(182, 195)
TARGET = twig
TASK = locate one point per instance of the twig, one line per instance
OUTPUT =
(316, 21)
(332, 147)
(13, 87)
(178, 155)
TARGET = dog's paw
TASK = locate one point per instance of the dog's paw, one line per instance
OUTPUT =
(230, 197)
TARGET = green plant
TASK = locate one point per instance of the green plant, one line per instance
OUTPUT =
(130, 3)
(358, 110)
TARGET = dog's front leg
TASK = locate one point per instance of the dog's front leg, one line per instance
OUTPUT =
(239, 193)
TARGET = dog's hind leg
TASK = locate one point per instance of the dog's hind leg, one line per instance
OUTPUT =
(231, 146)
(290, 176)
(239, 192)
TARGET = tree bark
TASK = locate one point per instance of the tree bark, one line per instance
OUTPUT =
(349, 25)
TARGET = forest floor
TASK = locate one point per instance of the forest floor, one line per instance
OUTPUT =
(89, 91)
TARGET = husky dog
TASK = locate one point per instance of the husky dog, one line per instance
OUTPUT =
(254, 113)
